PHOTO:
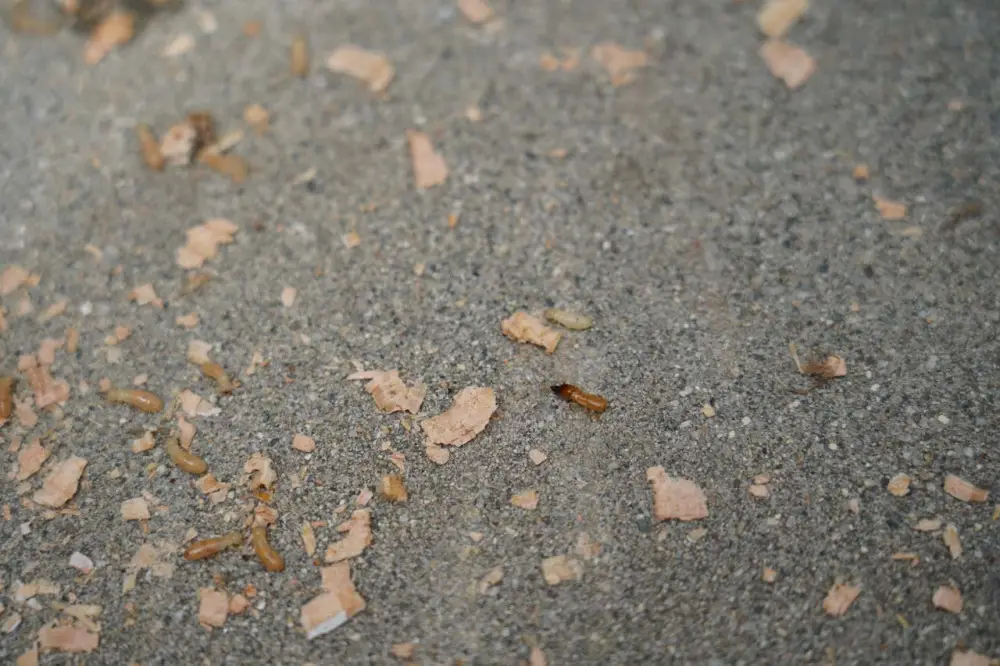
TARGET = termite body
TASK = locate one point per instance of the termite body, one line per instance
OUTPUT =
(200, 550)
(144, 401)
(6, 397)
(267, 555)
(185, 460)
(571, 393)
(217, 373)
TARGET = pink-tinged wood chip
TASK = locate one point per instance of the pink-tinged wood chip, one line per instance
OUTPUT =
(30, 459)
(145, 295)
(26, 416)
(523, 327)
(861, 172)
(194, 405)
(67, 639)
(351, 239)
(189, 320)
(81, 562)
(899, 485)
(178, 46)
(309, 539)
(359, 537)
(475, 11)
(335, 606)
(256, 361)
(60, 486)
(492, 578)
(29, 658)
(839, 599)
(769, 575)
(213, 608)
(238, 604)
(429, 168)
(203, 241)
(777, 16)
(787, 62)
(140, 380)
(964, 491)
(303, 443)
(948, 598)
(437, 454)
(951, 539)
(467, 417)
(928, 525)
(586, 547)
(673, 498)
(536, 657)
(47, 350)
(144, 443)
(364, 497)
(620, 63)
(12, 278)
(970, 658)
(399, 461)
(389, 391)
(198, 352)
(177, 146)
(288, 296)
(537, 457)
(371, 67)
(259, 472)
(759, 491)
(24, 306)
(403, 650)
(527, 500)
(889, 209)
(54, 310)
(115, 30)
(561, 568)
(48, 391)
(257, 117)
(215, 489)
(135, 509)
(187, 431)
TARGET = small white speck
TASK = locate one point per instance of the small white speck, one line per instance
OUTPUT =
(745, 421)
(793, 404)
(943, 418)
(875, 387)
(868, 374)
(832, 446)
(86, 308)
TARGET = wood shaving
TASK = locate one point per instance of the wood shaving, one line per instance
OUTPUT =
(238, 604)
(393, 489)
(839, 599)
(523, 327)
(527, 500)
(81, 562)
(67, 638)
(179, 144)
(492, 578)
(437, 454)
(288, 296)
(964, 491)
(371, 67)
(213, 608)
(198, 352)
(26, 416)
(561, 568)
(537, 457)
(759, 491)
(364, 497)
(777, 16)
(145, 295)
(12, 278)
(48, 391)
(264, 516)
(769, 575)
(788, 62)
(708, 410)
(144, 443)
(135, 509)
(30, 459)
(620, 63)
(29, 658)
(54, 310)
(861, 172)
(233, 166)
(536, 657)
(567, 319)
(334, 607)
(257, 117)
(954, 543)
(359, 537)
(429, 168)
(403, 650)
(389, 391)
(830, 368)
(678, 499)
(216, 490)
(586, 547)
(889, 210)
(899, 485)
(61, 485)
(189, 320)
(308, 539)
(259, 472)
(180, 45)
(303, 443)
(47, 350)
(115, 30)
(475, 11)
(299, 57)
(351, 239)
(194, 405)
(970, 658)
(468, 416)
(948, 598)
(203, 242)
(928, 525)
(187, 432)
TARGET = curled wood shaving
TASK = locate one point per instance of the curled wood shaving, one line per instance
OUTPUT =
(789, 63)
(359, 537)
(839, 599)
(429, 168)
(334, 607)
(371, 67)
(467, 417)
(60, 486)
(561, 568)
(115, 30)
(523, 327)
(678, 499)
(259, 473)
(777, 16)
(964, 491)
(389, 391)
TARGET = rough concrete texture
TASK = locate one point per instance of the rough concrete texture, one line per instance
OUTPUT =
(704, 216)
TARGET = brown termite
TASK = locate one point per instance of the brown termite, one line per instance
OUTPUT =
(200, 550)
(217, 373)
(300, 56)
(186, 460)
(144, 401)
(150, 147)
(268, 556)
(6, 397)
(572, 393)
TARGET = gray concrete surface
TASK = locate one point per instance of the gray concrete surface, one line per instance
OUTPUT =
(705, 216)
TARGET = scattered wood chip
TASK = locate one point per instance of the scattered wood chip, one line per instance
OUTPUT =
(567, 319)
(437, 454)
(257, 117)
(907, 557)
(189, 320)
(135, 509)
(299, 56)
(769, 575)
(351, 239)
(29, 658)
(673, 498)
(60, 486)
(334, 607)
(899, 485)
(948, 598)
(829, 368)
(364, 497)
(187, 432)
(26, 416)
(928, 525)
(47, 391)
(288, 296)
(389, 391)
(527, 500)
(403, 650)
(777, 16)
(708, 410)
(839, 599)
(308, 539)
(523, 327)
(303, 443)
(371, 67)
(561, 568)
(970, 658)
(145, 295)
(475, 11)
(199, 352)
(54, 310)
(429, 168)
(233, 166)
(964, 491)
(492, 578)
(787, 62)
(115, 30)
(889, 209)
(586, 547)
(194, 405)
(861, 172)
(180, 45)
(392, 488)
(359, 537)
(259, 472)
(30, 459)
(536, 657)
(12, 278)
(81, 562)
(213, 608)
(620, 63)
(238, 604)
(216, 490)
(953, 542)
(537, 457)
(144, 443)
(467, 417)
(67, 638)
(759, 490)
